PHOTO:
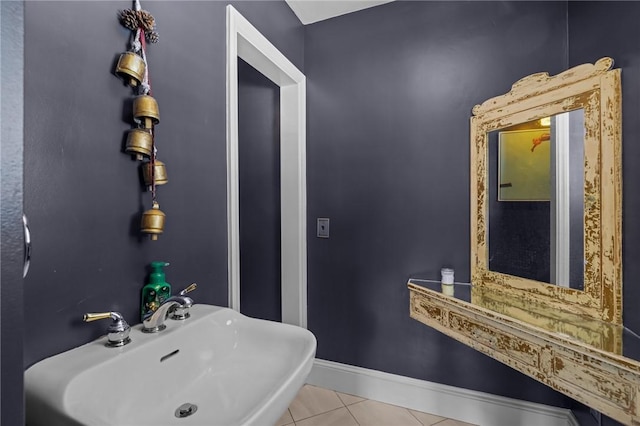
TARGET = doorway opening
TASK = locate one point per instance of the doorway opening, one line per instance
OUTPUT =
(244, 41)
(259, 186)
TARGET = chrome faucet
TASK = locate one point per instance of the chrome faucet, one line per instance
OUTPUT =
(154, 321)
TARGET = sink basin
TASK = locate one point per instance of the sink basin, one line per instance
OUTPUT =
(234, 369)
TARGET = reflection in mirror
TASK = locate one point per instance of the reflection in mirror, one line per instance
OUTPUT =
(536, 199)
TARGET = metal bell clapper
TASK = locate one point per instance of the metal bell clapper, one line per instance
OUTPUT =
(153, 221)
(159, 173)
(139, 143)
(145, 111)
(131, 68)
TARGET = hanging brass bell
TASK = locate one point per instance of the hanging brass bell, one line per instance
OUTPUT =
(153, 221)
(145, 111)
(139, 143)
(159, 173)
(130, 68)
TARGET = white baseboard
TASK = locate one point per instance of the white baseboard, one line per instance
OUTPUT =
(479, 408)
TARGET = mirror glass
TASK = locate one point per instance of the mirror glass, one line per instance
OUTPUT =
(536, 199)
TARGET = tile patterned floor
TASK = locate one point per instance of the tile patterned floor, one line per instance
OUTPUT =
(315, 406)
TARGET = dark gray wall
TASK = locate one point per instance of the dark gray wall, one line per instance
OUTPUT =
(390, 92)
(598, 29)
(259, 179)
(11, 168)
(83, 194)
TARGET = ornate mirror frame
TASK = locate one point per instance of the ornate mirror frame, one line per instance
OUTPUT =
(596, 89)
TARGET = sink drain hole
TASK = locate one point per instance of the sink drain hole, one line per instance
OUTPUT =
(185, 410)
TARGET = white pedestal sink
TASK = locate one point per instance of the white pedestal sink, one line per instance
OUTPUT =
(218, 367)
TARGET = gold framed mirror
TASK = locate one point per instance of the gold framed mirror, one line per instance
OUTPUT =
(559, 325)
(586, 98)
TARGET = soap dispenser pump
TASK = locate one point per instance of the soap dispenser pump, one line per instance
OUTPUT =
(156, 291)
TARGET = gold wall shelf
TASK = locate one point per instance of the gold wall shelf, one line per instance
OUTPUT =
(608, 381)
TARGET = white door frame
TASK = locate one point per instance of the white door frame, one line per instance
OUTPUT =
(245, 41)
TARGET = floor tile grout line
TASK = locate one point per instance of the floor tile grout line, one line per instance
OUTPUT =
(351, 414)
(318, 414)
(347, 407)
(409, 411)
(355, 396)
(339, 399)
(322, 414)
(414, 416)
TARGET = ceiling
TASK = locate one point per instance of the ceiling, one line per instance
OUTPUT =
(310, 11)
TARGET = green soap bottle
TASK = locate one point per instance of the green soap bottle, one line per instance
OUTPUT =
(156, 291)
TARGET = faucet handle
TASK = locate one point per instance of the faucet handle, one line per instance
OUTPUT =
(182, 312)
(96, 316)
(117, 332)
(189, 289)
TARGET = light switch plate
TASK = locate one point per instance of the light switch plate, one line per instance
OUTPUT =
(323, 227)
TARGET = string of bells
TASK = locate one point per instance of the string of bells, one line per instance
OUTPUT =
(133, 69)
